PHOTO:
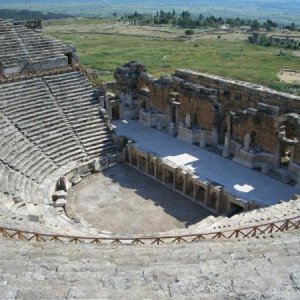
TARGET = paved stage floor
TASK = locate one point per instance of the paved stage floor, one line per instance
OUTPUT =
(238, 180)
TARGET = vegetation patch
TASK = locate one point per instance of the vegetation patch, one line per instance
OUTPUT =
(235, 59)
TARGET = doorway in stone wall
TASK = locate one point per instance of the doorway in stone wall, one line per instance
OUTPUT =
(173, 114)
(115, 112)
(70, 59)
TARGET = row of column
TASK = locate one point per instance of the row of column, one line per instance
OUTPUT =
(204, 193)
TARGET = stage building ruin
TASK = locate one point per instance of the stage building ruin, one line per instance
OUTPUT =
(254, 126)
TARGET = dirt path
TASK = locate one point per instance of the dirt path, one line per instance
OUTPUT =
(289, 76)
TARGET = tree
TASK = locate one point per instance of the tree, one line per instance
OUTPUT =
(255, 25)
(189, 32)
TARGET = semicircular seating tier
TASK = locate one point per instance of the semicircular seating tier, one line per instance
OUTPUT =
(48, 126)
(23, 50)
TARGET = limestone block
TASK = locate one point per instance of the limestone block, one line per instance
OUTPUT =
(60, 202)
(97, 166)
(17, 199)
(75, 179)
(59, 194)
(268, 108)
(252, 111)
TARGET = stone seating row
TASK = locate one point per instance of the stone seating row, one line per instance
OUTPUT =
(44, 128)
(21, 154)
(81, 107)
(39, 46)
(255, 217)
(20, 45)
(12, 42)
(257, 269)
(41, 121)
(20, 189)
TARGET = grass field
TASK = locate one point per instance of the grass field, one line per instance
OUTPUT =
(234, 59)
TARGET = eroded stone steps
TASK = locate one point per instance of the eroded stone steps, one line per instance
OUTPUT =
(28, 45)
(212, 270)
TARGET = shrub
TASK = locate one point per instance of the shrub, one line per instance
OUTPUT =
(189, 32)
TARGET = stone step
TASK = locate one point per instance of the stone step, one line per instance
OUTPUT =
(209, 269)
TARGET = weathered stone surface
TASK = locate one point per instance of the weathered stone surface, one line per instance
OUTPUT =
(32, 51)
(210, 269)
(75, 179)
(60, 194)
(60, 202)
(63, 183)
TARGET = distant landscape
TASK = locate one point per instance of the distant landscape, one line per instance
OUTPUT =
(255, 41)
(277, 10)
(103, 44)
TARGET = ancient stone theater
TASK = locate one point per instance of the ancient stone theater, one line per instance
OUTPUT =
(183, 186)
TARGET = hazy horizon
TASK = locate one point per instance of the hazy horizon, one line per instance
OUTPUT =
(279, 10)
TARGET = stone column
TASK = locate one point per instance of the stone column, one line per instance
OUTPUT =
(219, 198)
(174, 178)
(130, 155)
(164, 174)
(206, 195)
(124, 155)
(177, 116)
(185, 180)
(172, 129)
(208, 189)
(155, 166)
(202, 143)
(147, 162)
(278, 155)
(226, 150)
(138, 161)
(214, 136)
(194, 191)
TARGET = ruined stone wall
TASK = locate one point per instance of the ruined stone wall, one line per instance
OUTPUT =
(158, 95)
(261, 129)
(197, 104)
(220, 109)
(235, 95)
(196, 100)
(200, 110)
